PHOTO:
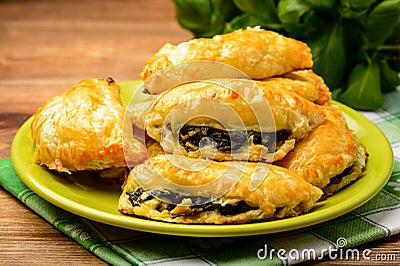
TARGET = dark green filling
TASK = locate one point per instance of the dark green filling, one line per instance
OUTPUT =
(190, 137)
(340, 176)
(140, 196)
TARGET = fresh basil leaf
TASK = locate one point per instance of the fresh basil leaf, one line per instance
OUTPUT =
(226, 9)
(354, 43)
(354, 9)
(265, 10)
(394, 38)
(204, 18)
(322, 5)
(363, 90)
(245, 20)
(380, 22)
(390, 79)
(293, 15)
(314, 23)
(241, 22)
(291, 11)
(194, 15)
(329, 54)
(391, 48)
(335, 92)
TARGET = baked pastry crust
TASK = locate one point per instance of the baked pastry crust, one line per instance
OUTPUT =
(82, 128)
(258, 53)
(308, 76)
(292, 116)
(306, 84)
(330, 151)
(282, 193)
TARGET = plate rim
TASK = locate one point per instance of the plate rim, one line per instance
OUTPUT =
(195, 230)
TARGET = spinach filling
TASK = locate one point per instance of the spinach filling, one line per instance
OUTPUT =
(191, 137)
(340, 176)
(140, 196)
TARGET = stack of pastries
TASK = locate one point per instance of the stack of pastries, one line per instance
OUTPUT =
(309, 154)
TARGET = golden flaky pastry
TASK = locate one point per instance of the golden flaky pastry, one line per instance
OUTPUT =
(282, 193)
(231, 119)
(258, 53)
(82, 129)
(331, 156)
(305, 83)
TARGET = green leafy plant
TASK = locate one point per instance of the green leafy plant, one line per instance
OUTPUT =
(355, 43)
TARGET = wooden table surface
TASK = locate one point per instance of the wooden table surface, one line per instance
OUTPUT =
(45, 47)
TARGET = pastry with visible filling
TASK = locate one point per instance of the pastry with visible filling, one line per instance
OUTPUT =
(282, 193)
(271, 120)
(256, 52)
(82, 129)
(330, 157)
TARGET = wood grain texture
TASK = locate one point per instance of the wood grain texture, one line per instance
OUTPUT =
(47, 46)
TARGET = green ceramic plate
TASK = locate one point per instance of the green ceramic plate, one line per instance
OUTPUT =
(99, 203)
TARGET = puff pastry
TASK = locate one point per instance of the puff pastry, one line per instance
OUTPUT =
(305, 83)
(82, 129)
(330, 157)
(282, 193)
(291, 118)
(254, 51)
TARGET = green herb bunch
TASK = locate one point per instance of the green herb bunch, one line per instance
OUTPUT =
(355, 43)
